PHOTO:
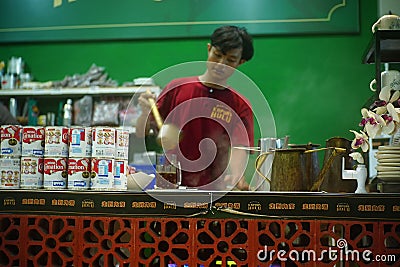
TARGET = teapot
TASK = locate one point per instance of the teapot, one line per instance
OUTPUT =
(290, 168)
(387, 22)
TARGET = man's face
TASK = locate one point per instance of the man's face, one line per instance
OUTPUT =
(221, 66)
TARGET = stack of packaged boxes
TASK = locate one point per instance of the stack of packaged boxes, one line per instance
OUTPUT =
(59, 157)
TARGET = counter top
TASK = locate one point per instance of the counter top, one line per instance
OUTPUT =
(192, 203)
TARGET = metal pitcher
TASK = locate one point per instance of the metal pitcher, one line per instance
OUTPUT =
(267, 144)
(311, 162)
(289, 168)
(334, 182)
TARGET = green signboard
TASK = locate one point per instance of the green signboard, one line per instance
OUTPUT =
(59, 20)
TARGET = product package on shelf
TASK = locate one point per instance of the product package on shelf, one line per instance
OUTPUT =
(55, 173)
(79, 170)
(103, 142)
(80, 141)
(33, 141)
(122, 143)
(11, 144)
(10, 173)
(102, 177)
(56, 141)
(120, 174)
(83, 111)
(129, 111)
(32, 170)
(105, 113)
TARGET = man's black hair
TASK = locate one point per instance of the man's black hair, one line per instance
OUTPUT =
(226, 38)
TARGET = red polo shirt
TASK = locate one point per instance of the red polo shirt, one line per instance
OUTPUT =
(212, 121)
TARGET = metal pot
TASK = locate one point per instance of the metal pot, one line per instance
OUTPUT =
(290, 167)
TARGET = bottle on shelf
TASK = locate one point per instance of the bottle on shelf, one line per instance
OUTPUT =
(67, 117)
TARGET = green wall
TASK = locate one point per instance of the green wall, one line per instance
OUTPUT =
(315, 84)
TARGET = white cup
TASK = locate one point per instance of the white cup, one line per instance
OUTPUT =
(387, 22)
(388, 78)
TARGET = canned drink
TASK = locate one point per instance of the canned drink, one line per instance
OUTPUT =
(122, 144)
(103, 142)
(79, 173)
(80, 141)
(120, 175)
(102, 176)
(56, 141)
(32, 172)
(10, 173)
(55, 173)
(33, 141)
(11, 144)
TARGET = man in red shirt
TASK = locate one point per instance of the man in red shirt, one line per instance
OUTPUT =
(212, 117)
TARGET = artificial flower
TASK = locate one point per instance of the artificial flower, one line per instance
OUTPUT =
(360, 141)
(372, 123)
(382, 118)
(357, 156)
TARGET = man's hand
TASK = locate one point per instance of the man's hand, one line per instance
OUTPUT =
(144, 103)
(235, 183)
(242, 185)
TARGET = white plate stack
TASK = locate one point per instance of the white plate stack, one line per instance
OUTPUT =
(388, 167)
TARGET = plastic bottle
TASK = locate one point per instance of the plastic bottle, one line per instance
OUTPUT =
(67, 118)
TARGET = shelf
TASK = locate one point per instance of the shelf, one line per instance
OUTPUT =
(80, 91)
(387, 44)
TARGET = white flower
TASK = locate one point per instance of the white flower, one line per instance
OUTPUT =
(360, 140)
(372, 122)
(357, 156)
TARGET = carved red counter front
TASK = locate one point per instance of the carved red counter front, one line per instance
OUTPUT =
(195, 228)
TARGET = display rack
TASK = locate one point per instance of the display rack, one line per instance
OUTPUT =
(384, 47)
(80, 91)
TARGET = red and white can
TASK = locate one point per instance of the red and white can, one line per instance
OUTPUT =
(80, 142)
(56, 141)
(33, 141)
(102, 177)
(10, 136)
(10, 173)
(121, 144)
(103, 142)
(55, 173)
(31, 172)
(120, 174)
(79, 173)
